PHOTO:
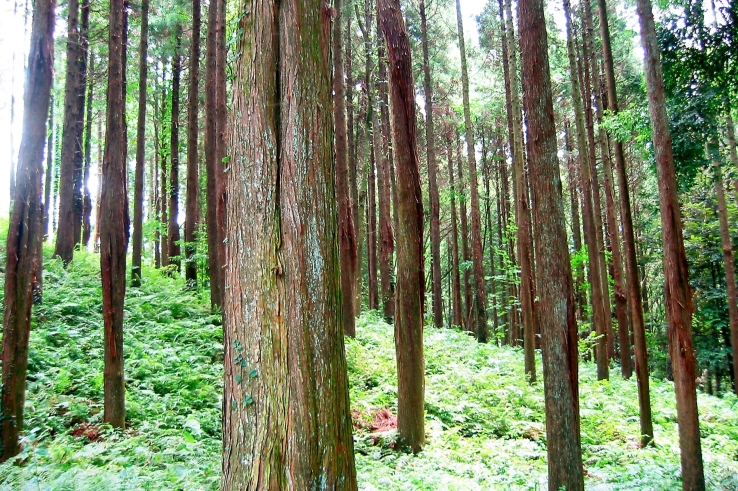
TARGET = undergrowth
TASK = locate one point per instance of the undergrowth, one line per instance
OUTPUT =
(485, 425)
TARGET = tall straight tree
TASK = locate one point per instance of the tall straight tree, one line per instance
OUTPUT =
(138, 186)
(410, 281)
(114, 218)
(191, 208)
(678, 300)
(173, 227)
(24, 233)
(435, 209)
(71, 135)
(287, 422)
(480, 295)
(86, 196)
(347, 235)
(457, 310)
(556, 296)
(633, 282)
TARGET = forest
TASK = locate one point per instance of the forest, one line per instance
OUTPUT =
(369, 245)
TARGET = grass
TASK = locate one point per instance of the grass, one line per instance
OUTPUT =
(485, 424)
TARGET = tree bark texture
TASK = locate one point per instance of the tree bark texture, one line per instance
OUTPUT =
(286, 421)
(410, 277)
(114, 219)
(86, 197)
(173, 226)
(138, 186)
(676, 273)
(24, 233)
(457, 310)
(556, 304)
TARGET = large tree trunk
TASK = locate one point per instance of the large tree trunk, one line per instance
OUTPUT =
(631, 266)
(286, 421)
(222, 158)
(24, 233)
(676, 273)
(138, 186)
(556, 304)
(435, 209)
(191, 205)
(173, 227)
(457, 310)
(114, 218)
(594, 271)
(480, 296)
(65, 237)
(347, 236)
(410, 281)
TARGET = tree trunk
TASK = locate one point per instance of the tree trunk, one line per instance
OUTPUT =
(173, 228)
(347, 236)
(631, 266)
(410, 281)
(676, 273)
(457, 311)
(222, 158)
(212, 165)
(65, 238)
(352, 138)
(556, 304)
(24, 233)
(286, 421)
(435, 224)
(576, 228)
(191, 208)
(480, 296)
(468, 315)
(594, 271)
(86, 197)
(138, 186)
(49, 174)
(114, 218)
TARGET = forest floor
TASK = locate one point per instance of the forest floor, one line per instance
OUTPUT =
(484, 423)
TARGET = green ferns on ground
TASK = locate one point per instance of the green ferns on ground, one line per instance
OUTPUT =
(485, 424)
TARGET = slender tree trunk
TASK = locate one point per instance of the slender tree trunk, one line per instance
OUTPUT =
(594, 271)
(163, 192)
(49, 174)
(347, 235)
(174, 237)
(24, 233)
(728, 261)
(631, 266)
(211, 158)
(138, 186)
(287, 422)
(65, 239)
(156, 196)
(468, 315)
(457, 311)
(676, 273)
(480, 296)
(191, 207)
(576, 227)
(86, 197)
(410, 281)
(222, 158)
(556, 304)
(353, 168)
(114, 218)
(435, 224)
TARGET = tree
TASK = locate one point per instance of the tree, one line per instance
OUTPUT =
(410, 281)
(286, 414)
(114, 218)
(554, 288)
(191, 212)
(174, 237)
(24, 233)
(347, 237)
(678, 301)
(456, 311)
(138, 186)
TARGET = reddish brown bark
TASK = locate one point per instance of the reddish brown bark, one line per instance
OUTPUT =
(410, 278)
(138, 186)
(114, 219)
(347, 236)
(554, 288)
(173, 247)
(286, 421)
(191, 206)
(435, 209)
(24, 233)
(678, 301)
